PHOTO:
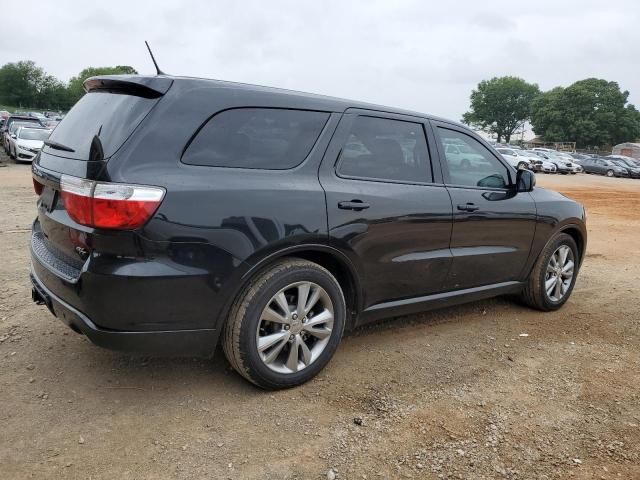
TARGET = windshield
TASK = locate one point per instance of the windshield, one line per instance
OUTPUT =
(34, 134)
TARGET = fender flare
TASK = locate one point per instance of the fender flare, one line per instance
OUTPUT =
(291, 251)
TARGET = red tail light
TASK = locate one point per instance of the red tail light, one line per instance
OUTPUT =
(38, 187)
(109, 205)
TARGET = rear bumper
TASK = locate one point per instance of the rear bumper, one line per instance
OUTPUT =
(192, 343)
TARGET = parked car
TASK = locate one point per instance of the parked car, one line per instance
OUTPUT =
(563, 165)
(632, 171)
(633, 161)
(544, 166)
(603, 166)
(548, 156)
(462, 155)
(27, 142)
(38, 115)
(578, 157)
(514, 158)
(4, 131)
(50, 123)
(11, 136)
(626, 161)
(295, 238)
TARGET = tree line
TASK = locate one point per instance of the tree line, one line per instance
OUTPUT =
(25, 85)
(590, 112)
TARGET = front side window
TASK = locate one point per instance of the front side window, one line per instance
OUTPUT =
(384, 149)
(265, 138)
(473, 165)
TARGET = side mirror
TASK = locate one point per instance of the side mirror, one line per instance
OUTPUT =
(14, 136)
(525, 180)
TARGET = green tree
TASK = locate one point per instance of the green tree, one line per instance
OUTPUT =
(501, 105)
(20, 83)
(75, 88)
(590, 112)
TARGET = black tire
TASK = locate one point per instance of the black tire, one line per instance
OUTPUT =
(239, 333)
(609, 173)
(534, 294)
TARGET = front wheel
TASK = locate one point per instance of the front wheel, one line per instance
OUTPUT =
(286, 325)
(609, 173)
(554, 274)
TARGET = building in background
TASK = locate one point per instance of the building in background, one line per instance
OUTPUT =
(627, 149)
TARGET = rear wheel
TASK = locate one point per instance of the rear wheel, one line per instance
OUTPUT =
(286, 325)
(554, 274)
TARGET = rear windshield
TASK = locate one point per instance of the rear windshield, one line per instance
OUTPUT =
(111, 117)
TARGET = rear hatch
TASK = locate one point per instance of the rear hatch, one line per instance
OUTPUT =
(76, 153)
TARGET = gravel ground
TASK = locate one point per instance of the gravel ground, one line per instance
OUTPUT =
(487, 390)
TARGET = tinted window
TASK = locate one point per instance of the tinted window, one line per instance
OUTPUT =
(256, 138)
(109, 117)
(473, 165)
(383, 149)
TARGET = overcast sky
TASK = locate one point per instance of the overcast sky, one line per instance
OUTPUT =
(420, 55)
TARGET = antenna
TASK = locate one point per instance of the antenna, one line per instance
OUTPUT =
(153, 59)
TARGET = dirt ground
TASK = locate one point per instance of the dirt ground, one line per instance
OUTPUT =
(486, 390)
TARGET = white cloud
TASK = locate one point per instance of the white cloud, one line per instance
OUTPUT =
(423, 56)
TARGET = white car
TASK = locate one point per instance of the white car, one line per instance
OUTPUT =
(541, 164)
(27, 142)
(514, 157)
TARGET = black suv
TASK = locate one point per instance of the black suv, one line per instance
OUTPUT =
(173, 211)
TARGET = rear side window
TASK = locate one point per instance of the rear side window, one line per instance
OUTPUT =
(107, 117)
(384, 149)
(267, 138)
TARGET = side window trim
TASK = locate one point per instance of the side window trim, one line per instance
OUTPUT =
(443, 162)
(344, 129)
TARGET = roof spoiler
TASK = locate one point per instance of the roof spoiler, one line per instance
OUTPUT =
(139, 86)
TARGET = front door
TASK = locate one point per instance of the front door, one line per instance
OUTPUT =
(493, 227)
(387, 207)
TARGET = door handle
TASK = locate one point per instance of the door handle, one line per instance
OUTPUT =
(356, 205)
(468, 207)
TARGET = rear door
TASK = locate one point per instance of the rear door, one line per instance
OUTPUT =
(387, 207)
(493, 227)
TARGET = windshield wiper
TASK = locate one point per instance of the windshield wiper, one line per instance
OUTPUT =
(58, 146)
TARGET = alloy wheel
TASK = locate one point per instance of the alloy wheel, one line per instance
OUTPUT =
(559, 274)
(295, 327)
